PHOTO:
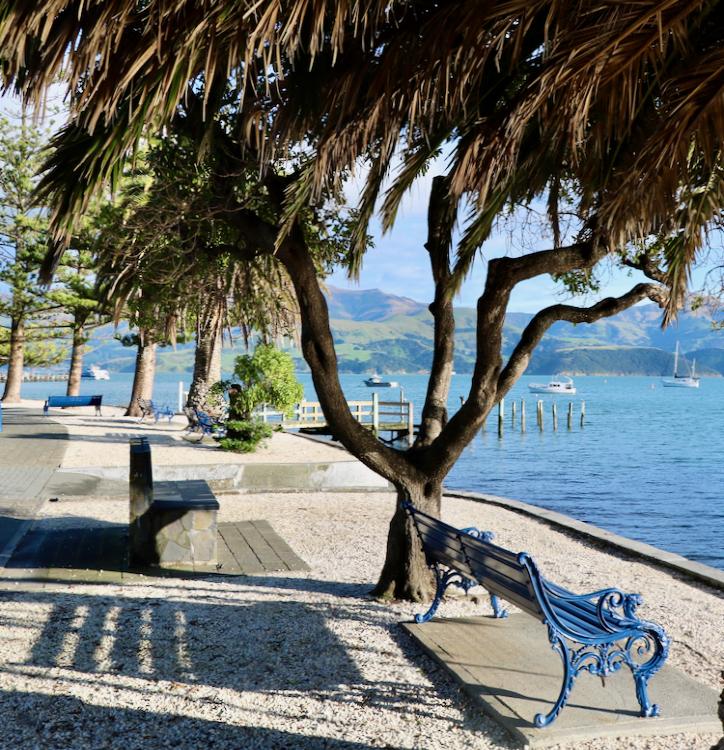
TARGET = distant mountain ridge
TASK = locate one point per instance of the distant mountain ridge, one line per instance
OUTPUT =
(376, 331)
(369, 304)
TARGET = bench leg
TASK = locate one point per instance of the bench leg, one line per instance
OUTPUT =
(656, 642)
(499, 611)
(450, 577)
(559, 645)
(642, 693)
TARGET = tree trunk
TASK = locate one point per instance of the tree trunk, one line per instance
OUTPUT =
(405, 574)
(76, 361)
(16, 357)
(144, 374)
(207, 356)
(440, 221)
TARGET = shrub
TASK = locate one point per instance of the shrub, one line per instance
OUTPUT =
(245, 435)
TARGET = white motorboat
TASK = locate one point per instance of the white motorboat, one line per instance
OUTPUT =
(559, 384)
(93, 372)
(681, 381)
(375, 381)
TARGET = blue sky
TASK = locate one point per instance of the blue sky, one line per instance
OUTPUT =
(398, 264)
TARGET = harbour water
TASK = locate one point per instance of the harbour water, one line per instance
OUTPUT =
(648, 463)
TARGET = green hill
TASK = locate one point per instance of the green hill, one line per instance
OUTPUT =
(375, 331)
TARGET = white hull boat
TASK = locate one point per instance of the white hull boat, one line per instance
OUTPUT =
(559, 385)
(681, 381)
(375, 381)
(95, 373)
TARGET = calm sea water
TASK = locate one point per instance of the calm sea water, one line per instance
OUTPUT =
(648, 464)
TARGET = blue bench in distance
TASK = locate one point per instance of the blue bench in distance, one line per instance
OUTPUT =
(63, 402)
(597, 633)
(208, 425)
(149, 409)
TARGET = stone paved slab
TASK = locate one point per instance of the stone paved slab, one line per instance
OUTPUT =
(100, 553)
(511, 672)
(31, 450)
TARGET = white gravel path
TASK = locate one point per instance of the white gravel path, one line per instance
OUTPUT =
(288, 660)
(103, 441)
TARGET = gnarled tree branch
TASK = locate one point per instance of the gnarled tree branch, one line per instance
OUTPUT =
(542, 321)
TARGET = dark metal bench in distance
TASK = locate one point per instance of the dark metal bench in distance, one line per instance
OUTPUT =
(597, 633)
(63, 402)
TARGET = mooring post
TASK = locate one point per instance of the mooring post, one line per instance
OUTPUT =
(410, 422)
(140, 490)
(376, 413)
(522, 415)
(512, 414)
(554, 412)
(540, 414)
(570, 415)
(501, 416)
(583, 412)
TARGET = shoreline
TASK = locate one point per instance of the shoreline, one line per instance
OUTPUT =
(300, 659)
(171, 453)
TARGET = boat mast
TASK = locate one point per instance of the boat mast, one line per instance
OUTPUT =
(676, 360)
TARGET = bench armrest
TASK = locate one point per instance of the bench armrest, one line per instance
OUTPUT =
(606, 602)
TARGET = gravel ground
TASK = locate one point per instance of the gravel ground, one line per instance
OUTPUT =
(288, 660)
(103, 441)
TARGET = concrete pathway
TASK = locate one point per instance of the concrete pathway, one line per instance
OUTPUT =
(31, 450)
(511, 672)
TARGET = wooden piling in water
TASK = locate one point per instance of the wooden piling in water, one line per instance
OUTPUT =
(570, 415)
(554, 412)
(501, 416)
(539, 410)
(512, 415)
(583, 412)
(522, 415)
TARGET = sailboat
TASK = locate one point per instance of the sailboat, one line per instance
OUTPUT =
(682, 381)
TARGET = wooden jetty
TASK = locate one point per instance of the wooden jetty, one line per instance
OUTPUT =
(39, 377)
(394, 417)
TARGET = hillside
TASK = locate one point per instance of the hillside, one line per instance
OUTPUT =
(375, 331)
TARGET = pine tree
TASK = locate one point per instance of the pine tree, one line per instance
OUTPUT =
(26, 308)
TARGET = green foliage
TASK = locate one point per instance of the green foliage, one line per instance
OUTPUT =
(245, 435)
(38, 352)
(265, 377)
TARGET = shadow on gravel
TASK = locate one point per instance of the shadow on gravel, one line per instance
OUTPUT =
(56, 722)
(250, 646)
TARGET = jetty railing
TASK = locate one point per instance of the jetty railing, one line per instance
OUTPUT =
(381, 416)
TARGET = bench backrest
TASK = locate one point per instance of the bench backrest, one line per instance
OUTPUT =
(74, 400)
(499, 570)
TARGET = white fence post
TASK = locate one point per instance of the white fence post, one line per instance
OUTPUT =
(376, 413)
(181, 396)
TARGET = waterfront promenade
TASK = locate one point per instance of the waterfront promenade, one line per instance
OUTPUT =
(295, 659)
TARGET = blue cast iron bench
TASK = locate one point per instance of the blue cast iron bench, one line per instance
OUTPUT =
(208, 425)
(149, 409)
(598, 632)
(63, 402)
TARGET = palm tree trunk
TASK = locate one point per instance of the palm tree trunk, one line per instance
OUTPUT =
(76, 361)
(144, 374)
(207, 356)
(16, 358)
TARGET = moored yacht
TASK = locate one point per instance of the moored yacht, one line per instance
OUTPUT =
(682, 381)
(93, 372)
(375, 381)
(559, 384)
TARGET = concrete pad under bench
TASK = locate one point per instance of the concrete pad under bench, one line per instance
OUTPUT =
(512, 673)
